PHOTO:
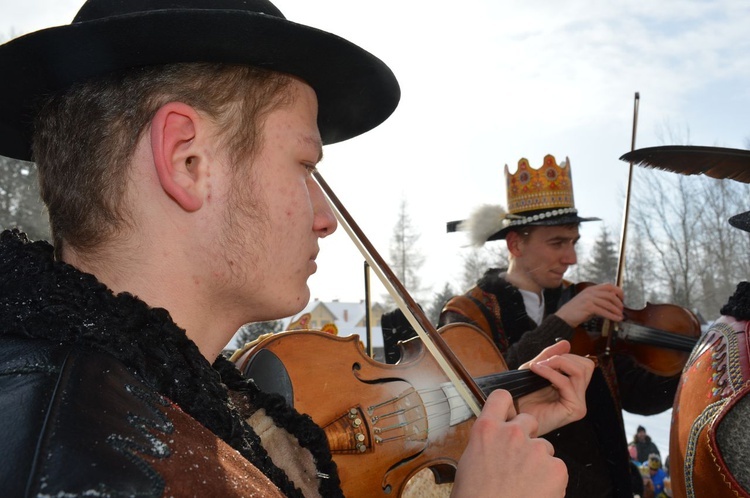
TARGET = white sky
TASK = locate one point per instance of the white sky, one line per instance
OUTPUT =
(486, 82)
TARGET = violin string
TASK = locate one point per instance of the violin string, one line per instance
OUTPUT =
(647, 335)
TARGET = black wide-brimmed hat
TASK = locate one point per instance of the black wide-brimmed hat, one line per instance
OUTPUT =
(717, 162)
(535, 197)
(356, 91)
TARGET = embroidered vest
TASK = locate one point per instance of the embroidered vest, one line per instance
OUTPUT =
(715, 378)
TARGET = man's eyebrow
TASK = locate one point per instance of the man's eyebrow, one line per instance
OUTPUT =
(563, 238)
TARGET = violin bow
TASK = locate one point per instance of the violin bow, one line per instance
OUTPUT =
(454, 370)
(368, 305)
(624, 230)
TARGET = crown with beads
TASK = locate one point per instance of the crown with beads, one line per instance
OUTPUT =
(547, 188)
(535, 196)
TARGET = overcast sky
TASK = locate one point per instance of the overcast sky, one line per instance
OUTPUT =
(486, 82)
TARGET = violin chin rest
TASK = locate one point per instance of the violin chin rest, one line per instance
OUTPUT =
(269, 374)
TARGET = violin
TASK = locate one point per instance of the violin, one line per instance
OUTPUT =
(659, 337)
(384, 422)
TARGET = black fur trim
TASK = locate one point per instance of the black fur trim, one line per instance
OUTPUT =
(514, 318)
(738, 305)
(42, 298)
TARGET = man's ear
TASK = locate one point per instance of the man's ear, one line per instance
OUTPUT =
(178, 160)
(513, 241)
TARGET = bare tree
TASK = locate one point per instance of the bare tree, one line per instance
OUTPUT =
(698, 256)
(638, 282)
(479, 260)
(667, 209)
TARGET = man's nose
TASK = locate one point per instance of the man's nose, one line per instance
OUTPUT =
(324, 221)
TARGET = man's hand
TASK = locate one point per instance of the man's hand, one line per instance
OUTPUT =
(505, 459)
(565, 401)
(603, 300)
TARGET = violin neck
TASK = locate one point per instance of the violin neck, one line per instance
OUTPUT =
(517, 382)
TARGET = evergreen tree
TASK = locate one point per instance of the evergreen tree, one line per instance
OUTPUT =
(406, 259)
(602, 264)
(442, 297)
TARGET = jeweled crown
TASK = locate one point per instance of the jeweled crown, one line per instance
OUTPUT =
(549, 187)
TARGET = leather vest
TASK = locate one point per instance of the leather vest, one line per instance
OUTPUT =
(715, 378)
(77, 423)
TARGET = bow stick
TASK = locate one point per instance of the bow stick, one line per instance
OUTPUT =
(454, 370)
(623, 234)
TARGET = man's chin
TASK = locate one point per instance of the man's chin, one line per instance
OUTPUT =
(554, 283)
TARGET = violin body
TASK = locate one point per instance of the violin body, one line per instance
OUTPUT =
(384, 423)
(659, 337)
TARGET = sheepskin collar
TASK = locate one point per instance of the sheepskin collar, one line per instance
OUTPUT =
(738, 305)
(46, 299)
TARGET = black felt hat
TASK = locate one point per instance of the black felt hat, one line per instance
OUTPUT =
(356, 91)
(716, 162)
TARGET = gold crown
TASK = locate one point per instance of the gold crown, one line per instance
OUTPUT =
(549, 187)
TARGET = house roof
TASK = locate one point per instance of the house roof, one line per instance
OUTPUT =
(353, 311)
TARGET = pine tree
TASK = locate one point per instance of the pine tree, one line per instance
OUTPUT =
(442, 297)
(406, 259)
(602, 264)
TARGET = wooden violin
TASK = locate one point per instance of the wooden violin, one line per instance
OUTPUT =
(384, 422)
(659, 337)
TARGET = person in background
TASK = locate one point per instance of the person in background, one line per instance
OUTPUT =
(175, 144)
(643, 444)
(657, 474)
(529, 306)
(648, 484)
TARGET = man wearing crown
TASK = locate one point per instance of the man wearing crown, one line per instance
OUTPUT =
(530, 305)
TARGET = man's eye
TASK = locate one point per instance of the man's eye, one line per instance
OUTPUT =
(311, 168)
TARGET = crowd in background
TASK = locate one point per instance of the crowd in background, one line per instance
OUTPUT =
(650, 475)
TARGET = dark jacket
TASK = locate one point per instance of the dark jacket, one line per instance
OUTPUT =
(645, 448)
(101, 394)
(594, 448)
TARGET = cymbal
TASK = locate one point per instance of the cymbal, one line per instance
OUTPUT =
(716, 162)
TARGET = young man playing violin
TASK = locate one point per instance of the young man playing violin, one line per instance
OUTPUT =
(175, 146)
(530, 306)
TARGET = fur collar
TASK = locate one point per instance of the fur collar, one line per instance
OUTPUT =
(739, 304)
(45, 299)
(514, 318)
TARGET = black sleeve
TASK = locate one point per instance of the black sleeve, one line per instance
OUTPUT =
(532, 342)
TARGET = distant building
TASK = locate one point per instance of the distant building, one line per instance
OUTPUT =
(348, 318)
(341, 318)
